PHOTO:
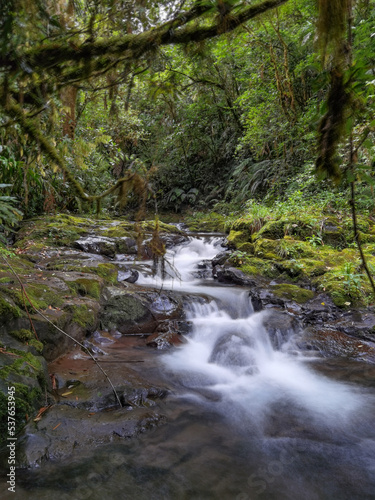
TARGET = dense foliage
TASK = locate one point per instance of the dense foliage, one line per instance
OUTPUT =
(208, 102)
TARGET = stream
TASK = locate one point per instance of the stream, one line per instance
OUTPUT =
(249, 416)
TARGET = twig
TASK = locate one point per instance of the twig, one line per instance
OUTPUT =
(353, 158)
(64, 333)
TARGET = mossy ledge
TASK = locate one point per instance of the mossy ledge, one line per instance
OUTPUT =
(310, 247)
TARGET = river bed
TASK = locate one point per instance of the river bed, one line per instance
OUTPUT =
(246, 418)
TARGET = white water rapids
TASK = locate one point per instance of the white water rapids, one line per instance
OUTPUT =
(229, 357)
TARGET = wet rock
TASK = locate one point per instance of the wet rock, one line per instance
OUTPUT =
(80, 431)
(97, 244)
(142, 397)
(168, 334)
(126, 245)
(162, 304)
(234, 349)
(129, 275)
(280, 326)
(320, 310)
(126, 311)
(92, 348)
(263, 298)
(220, 259)
(33, 450)
(172, 240)
(232, 275)
(333, 343)
(356, 323)
(204, 270)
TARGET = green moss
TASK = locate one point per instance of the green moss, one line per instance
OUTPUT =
(266, 249)
(289, 248)
(27, 337)
(366, 237)
(369, 249)
(203, 221)
(8, 311)
(235, 238)
(40, 295)
(22, 335)
(255, 266)
(291, 268)
(273, 230)
(24, 363)
(82, 315)
(120, 231)
(149, 225)
(85, 286)
(292, 292)
(25, 372)
(27, 401)
(246, 247)
(106, 271)
(312, 267)
(6, 279)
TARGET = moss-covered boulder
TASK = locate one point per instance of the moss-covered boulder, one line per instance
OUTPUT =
(126, 311)
(272, 230)
(292, 292)
(266, 249)
(24, 371)
(236, 238)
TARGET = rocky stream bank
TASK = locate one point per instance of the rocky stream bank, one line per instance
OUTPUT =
(82, 274)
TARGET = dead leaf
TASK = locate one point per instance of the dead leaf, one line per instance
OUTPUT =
(40, 413)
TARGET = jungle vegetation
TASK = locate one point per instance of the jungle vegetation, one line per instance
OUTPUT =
(197, 104)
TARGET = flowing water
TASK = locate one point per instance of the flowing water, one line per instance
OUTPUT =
(245, 420)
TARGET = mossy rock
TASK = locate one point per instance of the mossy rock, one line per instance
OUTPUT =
(292, 292)
(120, 231)
(288, 248)
(123, 310)
(28, 375)
(259, 267)
(85, 286)
(106, 271)
(266, 249)
(278, 229)
(27, 337)
(41, 296)
(246, 247)
(208, 222)
(312, 267)
(291, 268)
(364, 225)
(369, 249)
(272, 230)
(235, 238)
(249, 224)
(366, 238)
(8, 310)
(82, 315)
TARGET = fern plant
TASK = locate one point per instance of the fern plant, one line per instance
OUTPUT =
(9, 215)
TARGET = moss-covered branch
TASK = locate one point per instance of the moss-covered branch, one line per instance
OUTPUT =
(103, 52)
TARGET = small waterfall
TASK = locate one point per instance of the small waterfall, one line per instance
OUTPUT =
(230, 353)
(181, 262)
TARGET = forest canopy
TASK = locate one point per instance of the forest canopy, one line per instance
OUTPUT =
(212, 100)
